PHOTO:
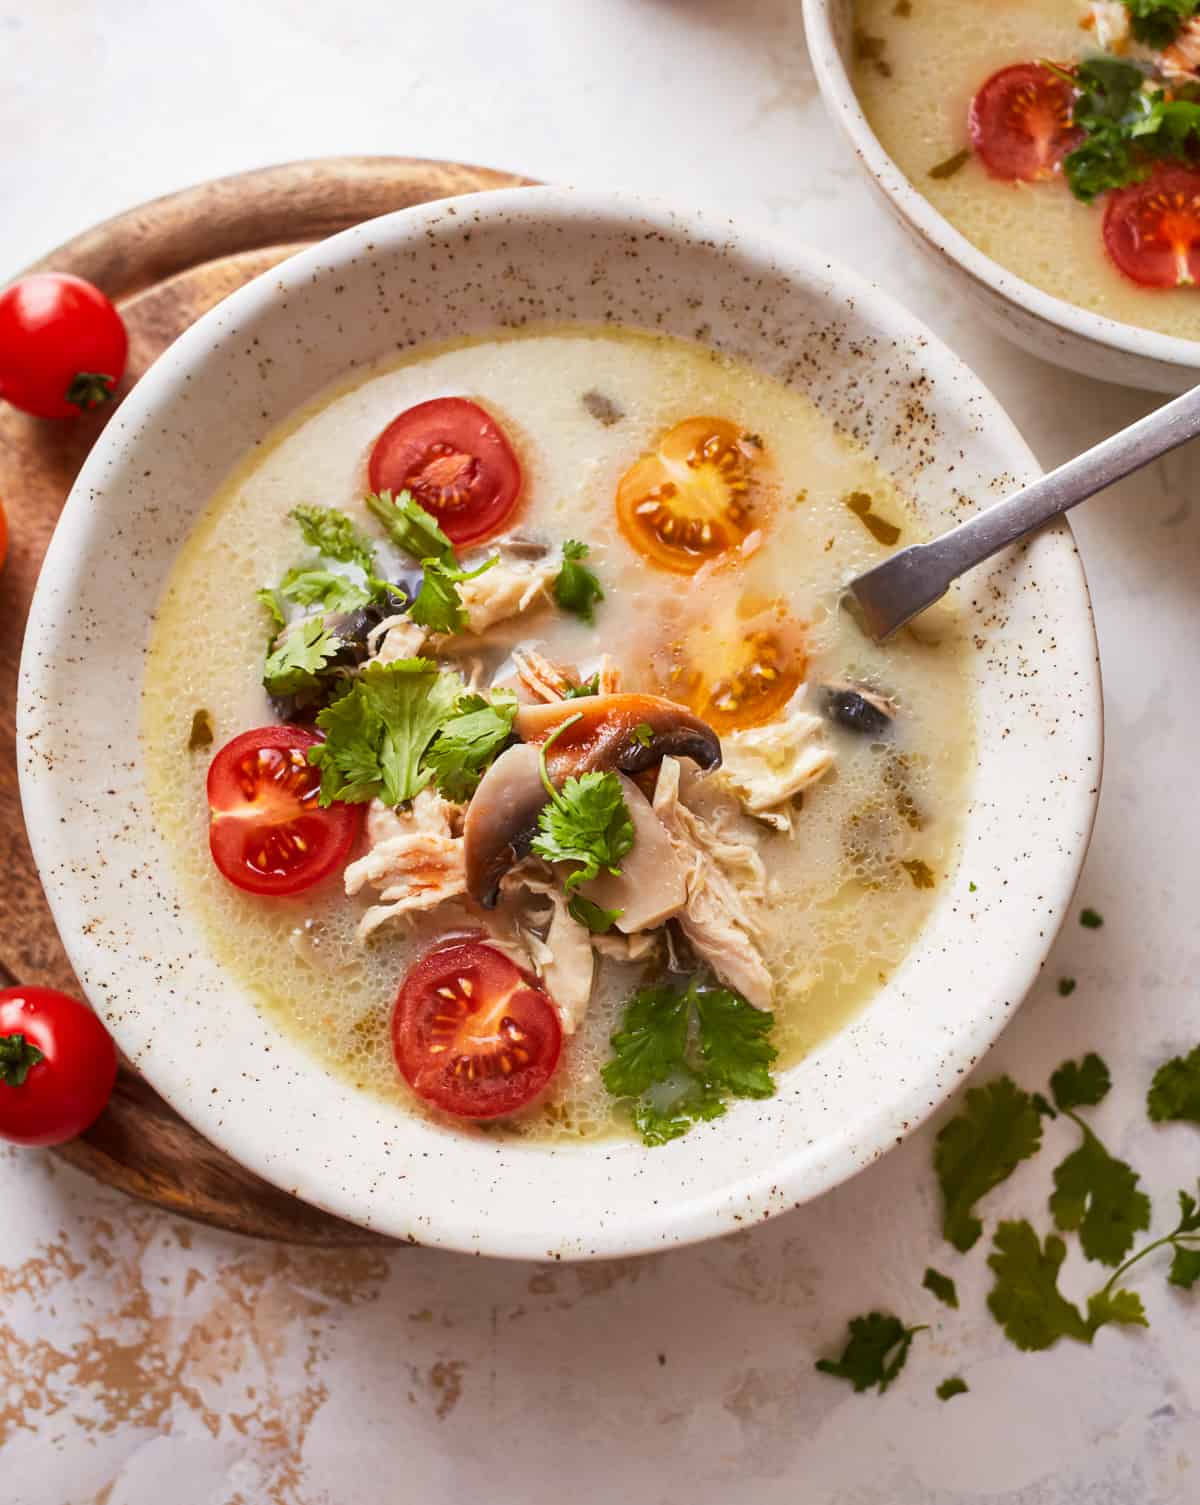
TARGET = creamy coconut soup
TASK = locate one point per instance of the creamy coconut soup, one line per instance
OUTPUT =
(613, 829)
(1062, 137)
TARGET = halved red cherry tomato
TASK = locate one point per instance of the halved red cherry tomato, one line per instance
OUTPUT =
(1152, 229)
(472, 1033)
(1020, 122)
(57, 1066)
(267, 832)
(455, 460)
(62, 345)
(690, 500)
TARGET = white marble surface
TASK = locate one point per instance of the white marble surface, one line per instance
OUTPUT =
(144, 1360)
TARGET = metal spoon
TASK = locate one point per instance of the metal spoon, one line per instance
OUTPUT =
(900, 588)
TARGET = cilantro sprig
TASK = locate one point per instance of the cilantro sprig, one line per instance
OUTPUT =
(576, 588)
(299, 657)
(876, 1351)
(438, 605)
(334, 535)
(1175, 1091)
(377, 734)
(468, 742)
(1158, 22)
(586, 822)
(981, 1147)
(1095, 1194)
(680, 1054)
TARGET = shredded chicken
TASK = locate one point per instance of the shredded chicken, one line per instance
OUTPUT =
(1181, 60)
(545, 680)
(626, 948)
(415, 859)
(767, 766)
(724, 873)
(396, 638)
(1109, 19)
(558, 945)
(506, 590)
(608, 676)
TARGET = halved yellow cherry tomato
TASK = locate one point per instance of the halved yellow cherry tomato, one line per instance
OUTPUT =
(691, 499)
(740, 674)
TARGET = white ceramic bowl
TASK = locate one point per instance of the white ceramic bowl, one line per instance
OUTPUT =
(471, 265)
(1048, 326)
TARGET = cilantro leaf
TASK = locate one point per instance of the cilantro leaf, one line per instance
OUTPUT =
(951, 1387)
(1127, 124)
(271, 601)
(333, 534)
(586, 821)
(1185, 1267)
(1174, 1094)
(864, 1361)
(1025, 1298)
(1122, 1307)
(734, 1043)
(1158, 22)
(1097, 1194)
(438, 605)
(576, 589)
(651, 1042)
(18, 1057)
(941, 1286)
(599, 921)
(298, 657)
(643, 734)
(377, 734)
(696, 1103)
(468, 742)
(411, 528)
(324, 588)
(1080, 1084)
(979, 1149)
(588, 687)
(1189, 1214)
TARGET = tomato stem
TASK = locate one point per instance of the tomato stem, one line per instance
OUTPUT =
(17, 1059)
(89, 389)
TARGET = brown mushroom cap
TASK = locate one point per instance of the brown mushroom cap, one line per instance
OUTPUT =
(502, 817)
(611, 733)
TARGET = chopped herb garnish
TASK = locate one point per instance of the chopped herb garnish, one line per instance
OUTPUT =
(951, 165)
(598, 921)
(585, 822)
(588, 687)
(298, 658)
(1094, 1193)
(876, 1351)
(438, 605)
(1174, 1094)
(1066, 986)
(879, 528)
(951, 1387)
(576, 589)
(377, 734)
(643, 734)
(18, 1057)
(940, 1286)
(1158, 22)
(201, 734)
(1090, 920)
(410, 527)
(333, 534)
(679, 1054)
(271, 601)
(324, 588)
(468, 742)
(997, 1129)
(871, 50)
(971, 888)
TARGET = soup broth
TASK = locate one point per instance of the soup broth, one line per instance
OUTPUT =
(915, 73)
(872, 842)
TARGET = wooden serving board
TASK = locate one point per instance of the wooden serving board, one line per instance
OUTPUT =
(164, 264)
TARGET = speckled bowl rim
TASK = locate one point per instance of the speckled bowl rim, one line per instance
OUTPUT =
(467, 1216)
(837, 91)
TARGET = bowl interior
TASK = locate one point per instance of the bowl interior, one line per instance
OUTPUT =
(1059, 331)
(472, 265)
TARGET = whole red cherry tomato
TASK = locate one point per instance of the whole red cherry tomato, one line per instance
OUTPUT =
(57, 1066)
(62, 345)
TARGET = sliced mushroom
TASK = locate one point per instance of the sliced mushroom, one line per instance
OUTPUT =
(652, 885)
(501, 820)
(858, 710)
(625, 732)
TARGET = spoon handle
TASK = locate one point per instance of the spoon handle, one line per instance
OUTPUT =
(908, 582)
